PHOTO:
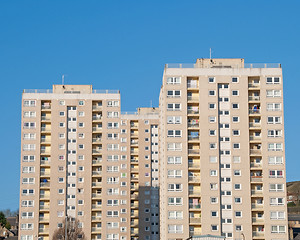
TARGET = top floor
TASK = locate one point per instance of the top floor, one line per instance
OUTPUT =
(70, 92)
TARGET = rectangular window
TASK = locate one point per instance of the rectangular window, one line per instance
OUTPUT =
(174, 160)
(29, 103)
(174, 173)
(177, 201)
(174, 187)
(173, 93)
(174, 133)
(275, 147)
(274, 133)
(175, 228)
(273, 106)
(174, 146)
(275, 160)
(278, 229)
(274, 120)
(173, 80)
(276, 187)
(275, 173)
(273, 80)
(175, 215)
(273, 93)
(174, 120)
(174, 107)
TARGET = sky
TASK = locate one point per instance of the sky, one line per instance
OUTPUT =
(125, 44)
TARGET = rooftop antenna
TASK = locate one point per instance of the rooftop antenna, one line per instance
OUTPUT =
(210, 53)
(150, 103)
(63, 79)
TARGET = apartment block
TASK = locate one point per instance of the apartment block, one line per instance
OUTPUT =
(82, 159)
(210, 161)
(222, 167)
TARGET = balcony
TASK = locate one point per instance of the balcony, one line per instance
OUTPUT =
(134, 187)
(44, 219)
(194, 192)
(97, 107)
(255, 165)
(256, 193)
(96, 184)
(96, 218)
(46, 107)
(253, 85)
(134, 196)
(134, 135)
(45, 140)
(45, 174)
(44, 230)
(97, 129)
(255, 138)
(96, 229)
(195, 220)
(193, 111)
(193, 99)
(255, 151)
(45, 162)
(96, 207)
(194, 179)
(96, 173)
(253, 125)
(134, 205)
(194, 165)
(257, 206)
(134, 179)
(134, 213)
(195, 233)
(254, 98)
(134, 125)
(192, 85)
(97, 151)
(44, 207)
(134, 152)
(97, 118)
(193, 138)
(258, 234)
(45, 119)
(135, 231)
(134, 223)
(195, 206)
(46, 129)
(45, 184)
(254, 111)
(193, 125)
(45, 196)
(194, 151)
(97, 161)
(97, 140)
(256, 179)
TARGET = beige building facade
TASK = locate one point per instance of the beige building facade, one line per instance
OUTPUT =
(209, 161)
(81, 158)
(222, 167)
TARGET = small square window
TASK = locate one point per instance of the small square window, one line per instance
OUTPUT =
(211, 79)
(235, 119)
(61, 114)
(212, 119)
(211, 92)
(235, 93)
(235, 105)
(81, 103)
(235, 79)
(212, 106)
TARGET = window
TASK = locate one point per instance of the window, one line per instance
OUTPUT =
(213, 200)
(174, 187)
(27, 192)
(212, 145)
(173, 80)
(112, 213)
(211, 79)
(211, 105)
(175, 228)
(276, 187)
(214, 213)
(81, 103)
(29, 125)
(174, 120)
(273, 106)
(174, 173)
(236, 159)
(238, 214)
(29, 136)
(235, 105)
(273, 80)
(26, 226)
(274, 120)
(275, 147)
(235, 132)
(28, 170)
(174, 146)
(174, 160)
(177, 201)
(212, 119)
(29, 114)
(213, 186)
(237, 186)
(29, 103)
(174, 107)
(112, 147)
(234, 79)
(278, 215)
(278, 229)
(235, 119)
(214, 227)
(273, 93)
(275, 160)
(213, 173)
(112, 103)
(212, 132)
(236, 146)
(81, 114)
(27, 215)
(27, 203)
(237, 200)
(276, 201)
(174, 133)
(211, 92)
(28, 147)
(112, 114)
(173, 93)
(276, 174)
(274, 133)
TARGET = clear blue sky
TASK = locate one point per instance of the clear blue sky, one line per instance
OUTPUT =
(125, 44)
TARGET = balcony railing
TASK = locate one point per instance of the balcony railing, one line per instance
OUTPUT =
(257, 206)
(96, 218)
(98, 161)
(254, 125)
(97, 117)
(256, 179)
(193, 137)
(194, 192)
(95, 129)
(45, 174)
(194, 165)
(195, 206)
(194, 151)
(44, 207)
(253, 85)
(45, 162)
(191, 111)
(97, 139)
(252, 138)
(99, 150)
(97, 173)
(255, 165)
(254, 111)
(134, 196)
(45, 129)
(256, 192)
(195, 220)
(45, 118)
(255, 151)
(46, 106)
(194, 179)
(192, 85)
(192, 98)
(96, 184)
(254, 98)
(45, 184)
(258, 234)
(43, 230)
(44, 219)
(96, 206)
(96, 229)
(194, 125)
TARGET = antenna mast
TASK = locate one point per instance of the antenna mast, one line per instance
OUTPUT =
(63, 79)
(210, 53)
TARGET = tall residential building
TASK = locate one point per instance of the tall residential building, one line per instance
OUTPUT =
(222, 167)
(82, 159)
